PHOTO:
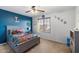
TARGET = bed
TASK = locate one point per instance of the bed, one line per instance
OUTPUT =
(19, 40)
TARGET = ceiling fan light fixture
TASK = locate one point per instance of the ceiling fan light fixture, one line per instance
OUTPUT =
(34, 11)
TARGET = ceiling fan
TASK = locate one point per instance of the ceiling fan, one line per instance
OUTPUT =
(33, 9)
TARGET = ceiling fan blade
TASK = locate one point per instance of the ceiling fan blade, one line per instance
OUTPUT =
(41, 10)
(27, 11)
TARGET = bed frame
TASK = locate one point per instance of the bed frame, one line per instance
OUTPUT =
(24, 46)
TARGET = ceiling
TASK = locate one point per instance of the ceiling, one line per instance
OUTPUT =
(22, 9)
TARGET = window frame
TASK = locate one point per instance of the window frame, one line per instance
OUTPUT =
(43, 25)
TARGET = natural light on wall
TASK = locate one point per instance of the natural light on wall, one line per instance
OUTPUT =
(38, 27)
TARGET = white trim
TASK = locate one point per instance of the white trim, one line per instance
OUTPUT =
(3, 44)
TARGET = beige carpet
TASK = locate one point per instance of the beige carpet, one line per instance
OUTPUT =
(45, 46)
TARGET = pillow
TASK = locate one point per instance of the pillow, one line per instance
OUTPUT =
(17, 31)
(14, 32)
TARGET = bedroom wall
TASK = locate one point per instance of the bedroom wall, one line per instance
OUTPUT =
(77, 17)
(59, 30)
(8, 18)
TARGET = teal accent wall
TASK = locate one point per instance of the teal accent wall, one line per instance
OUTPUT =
(8, 18)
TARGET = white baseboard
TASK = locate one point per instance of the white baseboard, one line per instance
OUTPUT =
(3, 44)
(54, 41)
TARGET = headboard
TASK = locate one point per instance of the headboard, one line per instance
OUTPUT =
(10, 30)
(13, 27)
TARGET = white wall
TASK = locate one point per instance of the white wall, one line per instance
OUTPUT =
(58, 29)
(77, 17)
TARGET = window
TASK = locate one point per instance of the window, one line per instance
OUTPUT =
(44, 25)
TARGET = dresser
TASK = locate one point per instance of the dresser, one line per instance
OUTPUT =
(74, 40)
